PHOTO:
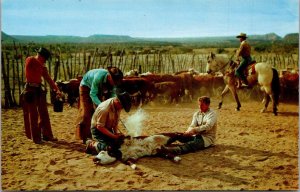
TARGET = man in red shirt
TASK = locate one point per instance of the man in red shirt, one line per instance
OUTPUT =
(36, 116)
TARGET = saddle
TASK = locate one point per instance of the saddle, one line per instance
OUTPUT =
(252, 67)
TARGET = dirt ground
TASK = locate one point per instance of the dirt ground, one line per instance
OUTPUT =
(254, 151)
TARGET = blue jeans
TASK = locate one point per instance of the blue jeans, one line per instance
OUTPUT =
(241, 68)
(104, 141)
(191, 144)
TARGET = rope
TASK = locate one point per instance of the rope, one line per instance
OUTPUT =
(226, 63)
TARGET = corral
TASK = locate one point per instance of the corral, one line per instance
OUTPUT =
(254, 151)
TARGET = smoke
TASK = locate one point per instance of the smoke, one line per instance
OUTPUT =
(134, 123)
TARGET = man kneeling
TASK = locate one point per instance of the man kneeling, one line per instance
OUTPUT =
(104, 124)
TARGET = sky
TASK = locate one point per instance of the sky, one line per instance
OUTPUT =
(149, 18)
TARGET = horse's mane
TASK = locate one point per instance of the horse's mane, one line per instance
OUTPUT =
(221, 61)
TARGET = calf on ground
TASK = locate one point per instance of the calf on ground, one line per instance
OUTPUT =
(133, 148)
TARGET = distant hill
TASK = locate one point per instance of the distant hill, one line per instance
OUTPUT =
(100, 38)
(67, 39)
(7, 38)
(109, 39)
(266, 37)
(292, 38)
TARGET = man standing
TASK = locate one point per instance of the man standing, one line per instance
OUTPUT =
(245, 52)
(96, 86)
(200, 134)
(104, 125)
(33, 98)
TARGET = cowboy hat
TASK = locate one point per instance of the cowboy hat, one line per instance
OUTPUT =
(242, 35)
(125, 100)
(44, 52)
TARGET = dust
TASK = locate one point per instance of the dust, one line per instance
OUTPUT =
(134, 123)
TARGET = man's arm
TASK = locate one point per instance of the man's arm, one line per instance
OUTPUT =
(211, 120)
(107, 132)
(239, 51)
(97, 82)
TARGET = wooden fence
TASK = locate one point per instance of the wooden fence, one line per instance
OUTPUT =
(66, 65)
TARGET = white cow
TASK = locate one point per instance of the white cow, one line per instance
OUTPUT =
(136, 147)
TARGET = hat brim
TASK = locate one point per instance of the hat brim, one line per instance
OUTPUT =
(126, 104)
(241, 36)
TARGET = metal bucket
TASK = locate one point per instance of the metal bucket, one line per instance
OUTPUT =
(58, 105)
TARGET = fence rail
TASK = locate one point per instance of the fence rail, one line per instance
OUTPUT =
(66, 65)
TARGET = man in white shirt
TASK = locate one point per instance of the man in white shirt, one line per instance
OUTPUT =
(200, 134)
(104, 123)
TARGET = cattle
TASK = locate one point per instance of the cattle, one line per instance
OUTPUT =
(141, 90)
(132, 73)
(158, 78)
(186, 83)
(191, 71)
(133, 148)
(71, 88)
(169, 90)
(289, 83)
(210, 83)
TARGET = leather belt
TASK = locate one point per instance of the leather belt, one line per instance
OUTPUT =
(33, 84)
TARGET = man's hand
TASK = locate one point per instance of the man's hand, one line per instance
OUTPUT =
(119, 136)
(190, 132)
(119, 139)
(58, 94)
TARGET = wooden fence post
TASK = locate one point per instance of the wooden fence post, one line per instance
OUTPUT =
(8, 101)
(88, 64)
(68, 68)
(16, 57)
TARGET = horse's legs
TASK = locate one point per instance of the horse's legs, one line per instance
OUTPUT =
(224, 92)
(266, 100)
(274, 104)
(235, 96)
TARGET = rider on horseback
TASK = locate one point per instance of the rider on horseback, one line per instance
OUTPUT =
(245, 52)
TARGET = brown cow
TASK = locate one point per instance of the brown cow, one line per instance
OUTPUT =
(209, 82)
(186, 82)
(71, 88)
(168, 89)
(289, 83)
(139, 88)
(158, 78)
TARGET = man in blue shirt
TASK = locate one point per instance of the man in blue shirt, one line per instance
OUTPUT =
(96, 86)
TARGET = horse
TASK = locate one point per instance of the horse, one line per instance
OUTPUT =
(261, 73)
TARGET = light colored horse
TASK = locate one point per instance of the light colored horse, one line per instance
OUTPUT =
(262, 73)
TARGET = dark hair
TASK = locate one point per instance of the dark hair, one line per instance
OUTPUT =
(116, 74)
(204, 99)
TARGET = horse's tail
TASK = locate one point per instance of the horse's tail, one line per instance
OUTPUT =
(276, 86)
